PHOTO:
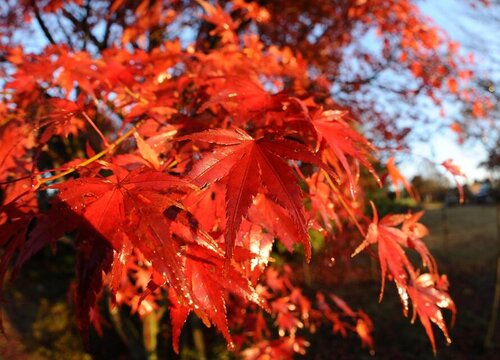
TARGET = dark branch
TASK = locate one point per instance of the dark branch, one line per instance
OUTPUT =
(104, 42)
(40, 21)
(109, 23)
(65, 32)
(82, 26)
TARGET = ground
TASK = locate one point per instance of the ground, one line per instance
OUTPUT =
(465, 241)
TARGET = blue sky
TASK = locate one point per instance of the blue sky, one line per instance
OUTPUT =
(477, 30)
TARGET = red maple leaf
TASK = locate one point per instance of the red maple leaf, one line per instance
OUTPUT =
(427, 292)
(391, 255)
(429, 295)
(456, 172)
(343, 140)
(246, 165)
(398, 179)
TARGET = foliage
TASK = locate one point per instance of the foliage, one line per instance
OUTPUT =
(173, 143)
(492, 162)
(431, 188)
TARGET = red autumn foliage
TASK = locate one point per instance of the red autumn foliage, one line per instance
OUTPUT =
(178, 142)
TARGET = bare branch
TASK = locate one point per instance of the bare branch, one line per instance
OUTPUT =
(40, 21)
(82, 26)
(65, 32)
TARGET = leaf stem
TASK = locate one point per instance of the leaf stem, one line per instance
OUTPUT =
(94, 126)
(41, 181)
(341, 200)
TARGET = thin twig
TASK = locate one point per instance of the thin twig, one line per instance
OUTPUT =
(107, 31)
(82, 26)
(342, 202)
(41, 181)
(40, 21)
(66, 35)
(94, 126)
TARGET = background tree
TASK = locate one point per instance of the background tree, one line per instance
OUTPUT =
(174, 142)
(493, 161)
(432, 185)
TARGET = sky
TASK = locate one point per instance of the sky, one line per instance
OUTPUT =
(477, 31)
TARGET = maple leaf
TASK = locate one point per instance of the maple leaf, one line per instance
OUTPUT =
(347, 320)
(452, 85)
(142, 204)
(391, 255)
(104, 202)
(259, 243)
(244, 164)
(398, 179)
(17, 213)
(286, 320)
(343, 140)
(14, 225)
(16, 139)
(427, 292)
(243, 97)
(139, 230)
(178, 316)
(46, 231)
(322, 201)
(342, 305)
(429, 295)
(279, 283)
(208, 207)
(210, 278)
(60, 117)
(364, 329)
(455, 171)
(77, 67)
(147, 152)
(221, 20)
(415, 232)
(285, 347)
(94, 258)
(276, 220)
(127, 208)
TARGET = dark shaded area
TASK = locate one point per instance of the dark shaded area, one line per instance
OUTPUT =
(40, 319)
(467, 254)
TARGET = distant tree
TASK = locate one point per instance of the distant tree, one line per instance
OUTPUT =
(431, 188)
(493, 161)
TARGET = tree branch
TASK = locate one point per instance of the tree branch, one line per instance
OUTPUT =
(82, 26)
(66, 35)
(107, 32)
(40, 21)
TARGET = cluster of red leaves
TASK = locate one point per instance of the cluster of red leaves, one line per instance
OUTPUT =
(409, 42)
(293, 313)
(176, 167)
(428, 291)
